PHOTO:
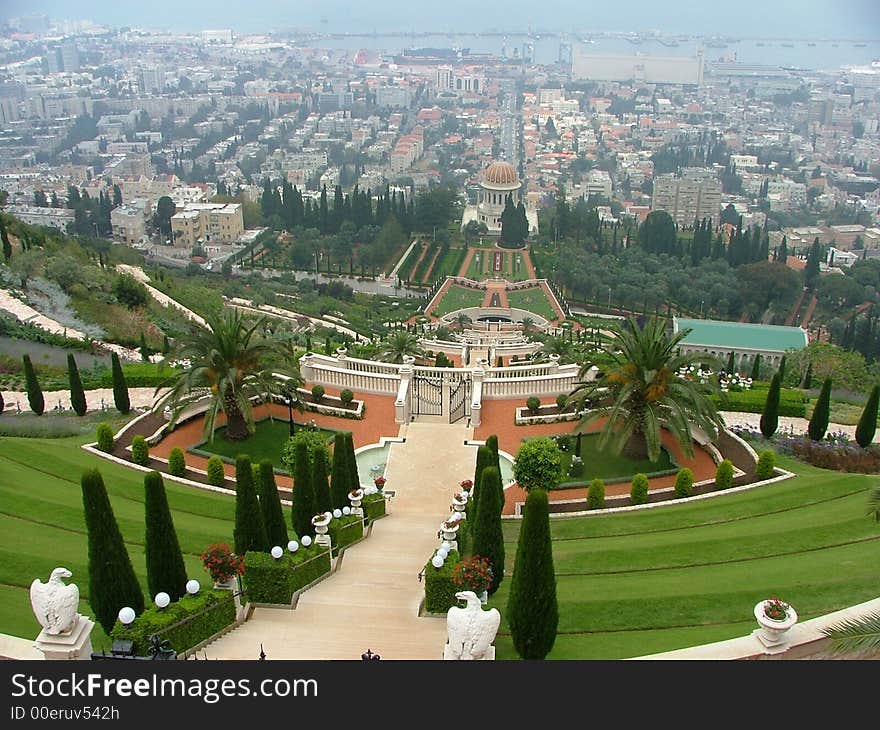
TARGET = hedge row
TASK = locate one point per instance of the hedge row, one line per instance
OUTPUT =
(140, 375)
(275, 581)
(439, 589)
(184, 623)
(791, 402)
(344, 531)
(374, 506)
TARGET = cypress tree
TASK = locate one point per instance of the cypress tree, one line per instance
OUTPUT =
(145, 353)
(492, 443)
(532, 610)
(165, 568)
(112, 582)
(354, 481)
(488, 536)
(2, 404)
(339, 484)
(270, 504)
(249, 531)
(320, 485)
(756, 368)
(32, 385)
(731, 363)
(77, 394)
(821, 413)
(782, 371)
(303, 508)
(120, 387)
(868, 422)
(4, 236)
(485, 458)
(808, 377)
(770, 416)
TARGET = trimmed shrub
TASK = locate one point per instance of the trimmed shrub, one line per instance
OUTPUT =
(120, 387)
(538, 464)
(532, 611)
(317, 393)
(344, 531)
(770, 416)
(249, 531)
(821, 413)
(374, 506)
(868, 421)
(184, 624)
(562, 401)
(77, 394)
(275, 581)
(216, 474)
(303, 507)
(488, 534)
(756, 368)
(140, 451)
(596, 494)
(112, 580)
(684, 483)
(485, 458)
(339, 482)
(165, 568)
(346, 396)
(533, 404)
(105, 437)
(32, 386)
(176, 462)
(270, 504)
(320, 484)
(440, 589)
(724, 475)
(766, 464)
(638, 492)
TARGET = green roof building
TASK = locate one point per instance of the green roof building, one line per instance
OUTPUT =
(744, 340)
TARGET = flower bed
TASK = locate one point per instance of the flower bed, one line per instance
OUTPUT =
(836, 451)
(332, 405)
(275, 581)
(545, 414)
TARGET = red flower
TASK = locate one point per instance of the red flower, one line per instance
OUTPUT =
(221, 563)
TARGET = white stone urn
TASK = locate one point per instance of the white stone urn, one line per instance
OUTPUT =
(459, 502)
(772, 631)
(356, 496)
(449, 530)
(320, 523)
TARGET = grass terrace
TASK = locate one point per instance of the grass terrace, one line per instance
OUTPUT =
(458, 297)
(533, 300)
(606, 465)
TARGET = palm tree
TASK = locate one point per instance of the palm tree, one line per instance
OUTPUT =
(230, 363)
(399, 345)
(461, 321)
(855, 635)
(559, 346)
(639, 389)
(528, 324)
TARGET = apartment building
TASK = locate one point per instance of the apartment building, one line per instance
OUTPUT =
(688, 198)
(200, 223)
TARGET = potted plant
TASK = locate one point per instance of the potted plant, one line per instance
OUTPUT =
(775, 617)
(459, 501)
(449, 529)
(466, 485)
(320, 522)
(379, 482)
(474, 574)
(222, 564)
(355, 496)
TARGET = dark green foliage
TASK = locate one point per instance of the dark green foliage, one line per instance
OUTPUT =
(596, 494)
(488, 535)
(346, 396)
(439, 588)
(485, 458)
(317, 393)
(120, 387)
(791, 402)
(756, 368)
(821, 413)
(275, 581)
(339, 485)
(808, 377)
(32, 385)
(176, 462)
(77, 394)
(766, 464)
(533, 404)
(770, 416)
(724, 475)
(4, 237)
(250, 530)
(684, 483)
(165, 568)
(731, 364)
(105, 437)
(112, 582)
(344, 531)
(532, 611)
(562, 401)
(538, 464)
(320, 483)
(2, 404)
(638, 493)
(211, 612)
(374, 506)
(782, 369)
(144, 350)
(129, 291)
(140, 451)
(351, 461)
(270, 504)
(303, 507)
(868, 421)
(216, 474)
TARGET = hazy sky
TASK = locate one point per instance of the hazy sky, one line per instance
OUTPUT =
(750, 18)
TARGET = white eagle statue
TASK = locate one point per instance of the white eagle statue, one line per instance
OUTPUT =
(470, 631)
(55, 603)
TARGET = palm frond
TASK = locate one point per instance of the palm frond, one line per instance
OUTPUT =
(858, 634)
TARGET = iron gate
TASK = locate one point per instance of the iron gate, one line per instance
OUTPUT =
(427, 396)
(459, 399)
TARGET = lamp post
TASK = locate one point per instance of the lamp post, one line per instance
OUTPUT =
(289, 400)
(702, 302)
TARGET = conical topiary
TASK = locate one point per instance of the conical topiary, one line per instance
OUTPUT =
(821, 413)
(488, 535)
(320, 483)
(120, 387)
(485, 458)
(249, 531)
(77, 394)
(165, 569)
(339, 483)
(770, 416)
(32, 386)
(868, 422)
(303, 508)
(270, 504)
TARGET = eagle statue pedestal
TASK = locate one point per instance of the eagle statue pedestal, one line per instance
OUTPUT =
(76, 644)
(470, 631)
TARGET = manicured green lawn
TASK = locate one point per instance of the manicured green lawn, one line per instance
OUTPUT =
(606, 465)
(532, 300)
(458, 297)
(644, 582)
(266, 442)
(41, 520)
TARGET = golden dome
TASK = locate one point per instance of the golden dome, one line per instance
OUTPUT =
(500, 173)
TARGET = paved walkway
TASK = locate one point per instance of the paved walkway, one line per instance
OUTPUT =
(138, 273)
(787, 424)
(372, 601)
(138, 397)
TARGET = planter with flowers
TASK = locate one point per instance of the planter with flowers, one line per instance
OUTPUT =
(449, 530)
(379, 482)
(356, 496)
(459, 501)
(320, 522)
(474, 574)
(775, 617)
(223, 565)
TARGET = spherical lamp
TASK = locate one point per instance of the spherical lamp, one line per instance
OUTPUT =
(306, 540)
(293, 546)
(277, 552)
(337, 513)
(346, 511)
(192, 586)
(162, 599)
(126, 615)
(437, 561)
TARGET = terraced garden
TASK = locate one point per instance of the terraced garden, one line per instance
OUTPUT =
(533, 300)
(656, 580)
(458, 297)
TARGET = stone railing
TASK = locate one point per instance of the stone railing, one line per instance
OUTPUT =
(546, 385)
(325, 370)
